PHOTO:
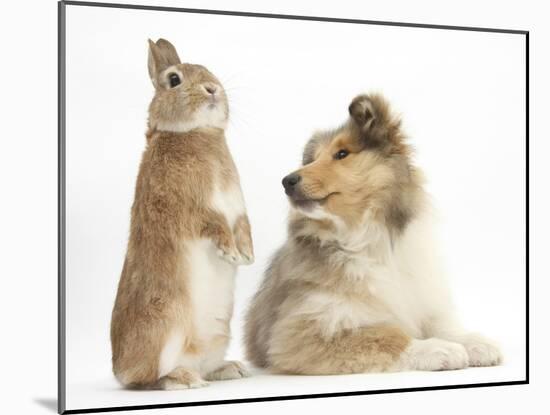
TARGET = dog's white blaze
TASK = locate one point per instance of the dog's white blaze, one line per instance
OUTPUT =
(229, 202)
(211, 284)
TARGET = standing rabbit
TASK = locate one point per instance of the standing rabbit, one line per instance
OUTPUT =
(189, 231)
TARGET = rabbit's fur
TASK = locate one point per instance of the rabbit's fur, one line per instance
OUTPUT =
(189, 230)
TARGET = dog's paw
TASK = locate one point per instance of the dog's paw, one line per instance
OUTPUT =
(229, 370)
(435, 354)
(482, 351)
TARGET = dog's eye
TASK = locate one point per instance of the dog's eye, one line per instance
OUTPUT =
(174, 80)
(341, 154)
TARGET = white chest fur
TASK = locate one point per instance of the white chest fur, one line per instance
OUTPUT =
(211, 288)
(229, 202)
(211, 285)
(391, 302)
(403, 277)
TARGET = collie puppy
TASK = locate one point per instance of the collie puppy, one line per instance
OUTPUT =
(356, 287)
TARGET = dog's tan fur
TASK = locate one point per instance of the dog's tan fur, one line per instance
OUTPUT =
(335, 298)
(290, 343)
(172, 206)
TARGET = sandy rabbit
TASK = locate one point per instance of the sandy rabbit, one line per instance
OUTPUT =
(189, 231)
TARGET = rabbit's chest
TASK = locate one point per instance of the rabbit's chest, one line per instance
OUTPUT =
(228, 200)
(211, 285)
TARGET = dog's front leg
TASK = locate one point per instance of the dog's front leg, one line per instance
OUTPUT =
(301, 347)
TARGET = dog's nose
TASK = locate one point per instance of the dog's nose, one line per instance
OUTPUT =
(290, 181)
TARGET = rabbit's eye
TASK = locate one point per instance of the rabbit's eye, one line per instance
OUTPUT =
(174, 80)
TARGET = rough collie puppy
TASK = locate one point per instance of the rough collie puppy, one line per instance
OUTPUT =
(356, 287)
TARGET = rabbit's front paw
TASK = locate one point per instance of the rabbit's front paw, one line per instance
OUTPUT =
(243, 239)
(230, 255)
(246, 251)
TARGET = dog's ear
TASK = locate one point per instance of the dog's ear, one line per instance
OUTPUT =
(372, 117)
(361, 111)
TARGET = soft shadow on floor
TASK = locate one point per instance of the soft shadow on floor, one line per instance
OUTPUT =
(48, 403)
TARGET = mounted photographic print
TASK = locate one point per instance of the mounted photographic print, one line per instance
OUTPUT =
(262, 207)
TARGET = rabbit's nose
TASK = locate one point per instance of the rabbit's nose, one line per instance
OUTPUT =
(210, 88)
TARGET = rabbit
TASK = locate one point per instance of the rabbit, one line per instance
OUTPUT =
(189, 231)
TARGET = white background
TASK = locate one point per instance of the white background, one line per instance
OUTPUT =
(30, 268)
(462, 96)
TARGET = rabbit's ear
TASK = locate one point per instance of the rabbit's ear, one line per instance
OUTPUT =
(169, 51)
(162, 54)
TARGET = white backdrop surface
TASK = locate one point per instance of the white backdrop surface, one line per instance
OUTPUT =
(28, 172)
(462, 97)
